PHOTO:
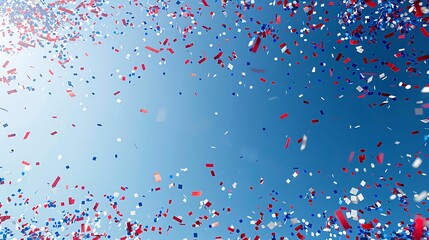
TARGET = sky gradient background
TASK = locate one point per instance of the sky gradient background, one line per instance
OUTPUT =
(205, 113)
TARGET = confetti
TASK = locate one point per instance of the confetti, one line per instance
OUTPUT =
(101, 96)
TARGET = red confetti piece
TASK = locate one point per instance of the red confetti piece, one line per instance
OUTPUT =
(389, 35)
(346, 60)
(424, 31)
(54, 184)
(422, 58)
(284, 115)
(338, 57)
(218, 55)
(202, 60)
(152, 49)
(371, 4)
(196, 194)
(70, 93)
(419, 11)
(256, 45)
(419, 222)
(5, 64)
(352, 154)
(65, 10)
(4, 218)
(392, 66)
(177, 219)
(342, 219)
(26, 135)
(26, 45)
(354, 42)
(367, 226)
(287, 142)
(380, 158)
(11, 91)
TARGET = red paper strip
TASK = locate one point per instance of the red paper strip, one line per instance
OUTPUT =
(354, 42)
(424, 31)
(338, 57)
(419, 222)
(152, 49)
(177, 219)
(202, 60)
(371, 4)
(287, 143)
(218, 55)
(422, 58)
(65, 10)
(11, 91)
(54, 184)
(284, 115)
(367, 226)
(278, 19)
(196, 194)
(256, 45)
(26, 45)
(5, 64)
(352, 154)
(4, 218)
(392, 66)
(419, 11)
(26, 135)
(380, 158)
(389, 35)
(342, 219)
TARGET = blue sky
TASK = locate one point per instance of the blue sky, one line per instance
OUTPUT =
(199, 113)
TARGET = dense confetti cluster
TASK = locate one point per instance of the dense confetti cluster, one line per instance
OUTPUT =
(214, 119)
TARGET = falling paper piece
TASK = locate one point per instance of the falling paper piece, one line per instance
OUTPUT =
(304, 143)
(417, 162)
